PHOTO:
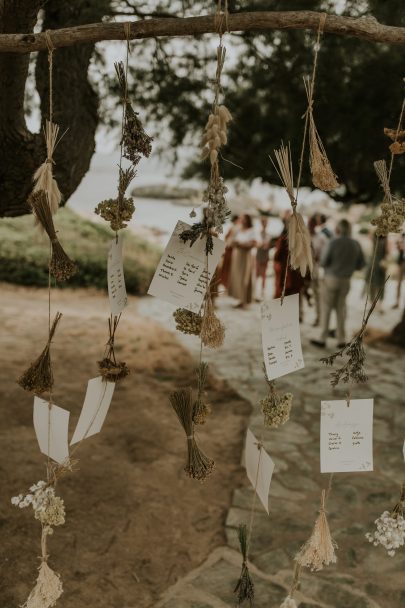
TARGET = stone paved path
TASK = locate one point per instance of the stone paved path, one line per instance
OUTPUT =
(364, 576)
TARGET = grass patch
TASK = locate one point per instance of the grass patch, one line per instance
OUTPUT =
(24, 253)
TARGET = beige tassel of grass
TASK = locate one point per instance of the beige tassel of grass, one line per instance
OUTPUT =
(319, 550)
(43, 176)
(48, 587)
(323, 176)
(212, 329)
(198, 466)
(201, 409)
(61, 266)
(244, 589)
(299, 244)
(38, 378)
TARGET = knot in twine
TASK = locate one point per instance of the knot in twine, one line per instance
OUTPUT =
(127, 30)
(221, 17)
(48, 40)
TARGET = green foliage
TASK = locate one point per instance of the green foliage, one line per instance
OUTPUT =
(24, 253)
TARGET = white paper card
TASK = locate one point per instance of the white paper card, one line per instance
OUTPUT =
(51, 427)
(281, 338)
(95, 408)
(259, 468)
(181, 276)
(117, 292)
(346, 436)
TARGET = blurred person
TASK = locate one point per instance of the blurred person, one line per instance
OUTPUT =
(240, 285)
(401, 267)
(320, 237)
(294, 282)
(262, 253)
(227, 257)
(377, 269)
(341, 258)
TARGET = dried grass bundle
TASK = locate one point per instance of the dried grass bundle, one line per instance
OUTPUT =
(201, 408)
(47, 590)
(136, 143)
(198, 466)
(212, 329)
(284, 171)
(119, 211)
(299, 244)
(398, 138)
(392, 214)
(187, 322)
(276, 408)
(244, 587)
(323, 176)
(61, 266)
(111, 369)
(38, 378)
(319, 550)
(43, 176)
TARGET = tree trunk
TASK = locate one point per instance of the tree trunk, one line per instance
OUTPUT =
(75, 103)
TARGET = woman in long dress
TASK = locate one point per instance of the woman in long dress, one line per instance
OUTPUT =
(240, 285)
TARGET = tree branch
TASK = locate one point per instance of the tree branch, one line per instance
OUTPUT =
(367, 28)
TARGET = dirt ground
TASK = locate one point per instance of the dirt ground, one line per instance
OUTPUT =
(135, 523)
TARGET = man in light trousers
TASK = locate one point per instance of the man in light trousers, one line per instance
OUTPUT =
(342, 256)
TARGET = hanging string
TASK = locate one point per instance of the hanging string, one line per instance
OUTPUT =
(311, 88)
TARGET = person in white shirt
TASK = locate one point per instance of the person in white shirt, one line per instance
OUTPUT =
(240, 284)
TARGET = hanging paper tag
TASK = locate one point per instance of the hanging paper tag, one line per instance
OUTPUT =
(259, 468)
(181, 276)
(281, 338)
(117, 292)
(346, 436)
(51, 426)
(95, 408)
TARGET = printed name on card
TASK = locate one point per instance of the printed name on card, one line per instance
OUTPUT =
(117, 292)
(51, 426)
(259, 468)
(95, 408)
(181, 277)
(346, 436)
(281, 337)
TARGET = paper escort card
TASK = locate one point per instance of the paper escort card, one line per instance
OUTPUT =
(281, 338)
(181, 276)
(95, 408)
(259, 468)
(346, 436)
(117, 292)
(51, 426)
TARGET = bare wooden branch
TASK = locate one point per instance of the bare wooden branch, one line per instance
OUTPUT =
(366, 28)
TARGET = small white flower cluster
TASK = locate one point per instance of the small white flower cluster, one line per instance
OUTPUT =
(48, 508)
(390, 532)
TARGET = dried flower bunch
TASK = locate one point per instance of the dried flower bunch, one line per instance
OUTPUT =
(136, 143)
(111, 369)
(319, 550)
(276, 408)
(48, 508)
(44, 180)
(390, 527)
(61, 266)
(212, 329)
(201, 409)
(187, 322)
(245, 587)
(215, 133)
(198, 466)
(299, 239)
(119, 211)
(38, 378)
(398, 139)
(392, 214)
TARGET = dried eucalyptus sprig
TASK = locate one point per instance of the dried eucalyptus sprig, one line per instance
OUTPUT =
(136, 143)
(198, 466)
(38, 378)
(275, 407)
(201, 408)
(111, 369)
(187, 322)
(244, 587)
(353, 369)
(61, 266)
